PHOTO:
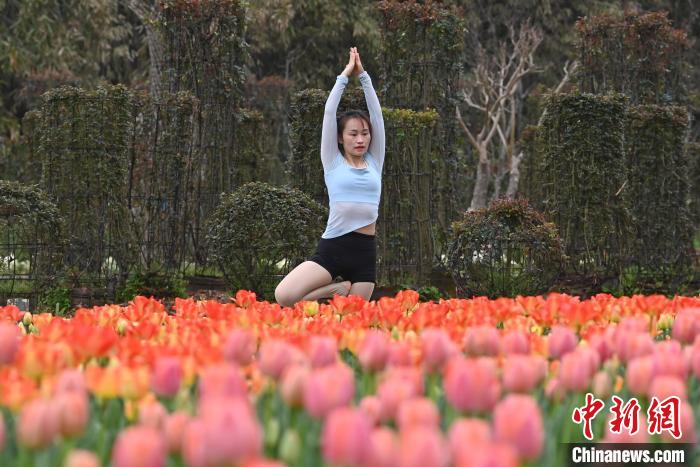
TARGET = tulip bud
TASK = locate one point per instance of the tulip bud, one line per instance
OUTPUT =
(9, 343)
(290, 447)
(27, 318)
(82, 458)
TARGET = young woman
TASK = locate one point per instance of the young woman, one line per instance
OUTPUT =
(352, 154)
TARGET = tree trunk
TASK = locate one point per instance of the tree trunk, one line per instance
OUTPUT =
(145, 12)
(481, 187)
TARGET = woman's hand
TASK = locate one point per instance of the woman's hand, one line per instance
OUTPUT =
(351, 64)
(358, 64)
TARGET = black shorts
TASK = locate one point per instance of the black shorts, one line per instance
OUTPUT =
(352, 256)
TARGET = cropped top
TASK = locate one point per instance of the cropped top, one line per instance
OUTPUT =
(353, 193)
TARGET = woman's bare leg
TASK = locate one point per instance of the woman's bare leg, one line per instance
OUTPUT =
(363, 289)
(327, 291)
(304, 280)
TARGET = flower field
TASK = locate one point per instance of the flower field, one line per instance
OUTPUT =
(395, 382)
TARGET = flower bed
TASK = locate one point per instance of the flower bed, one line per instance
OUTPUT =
(391, 382)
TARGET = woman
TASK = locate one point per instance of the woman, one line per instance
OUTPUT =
(352, 154)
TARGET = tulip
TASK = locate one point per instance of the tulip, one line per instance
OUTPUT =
(667, 386)
(374, 351)
(9, 342)
(560, 341)
(240, 347)
(275, 356)
(686, 326)
(575, 372)
(174, 429)
(384, 449)
(554, 390)
(71, 380)
(222, 380)
(515, 342)
(290, 446)
(639, 374)
(482, 341)
(391, 394)
(152, 414)
(345, 437)
(400, 354)
(419, 411)
(167, 376)
(624, 436)
(631, 344)
(695, 358)
(668, 359)
(38, 424)
(139, 446)
(323, 351)
(327, 388)
(602, 385)
(687, 426)
(436, 348)
(522, 373)
(466, 433)
(517, 420)
(471, 384)
(82, 458)
(423, 447)
(489, 454)
(73, 412)
(372, 406)
(194, 444)
(292, 384)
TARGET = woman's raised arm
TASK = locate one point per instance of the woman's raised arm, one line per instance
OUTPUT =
(329, 132)
(378, 143)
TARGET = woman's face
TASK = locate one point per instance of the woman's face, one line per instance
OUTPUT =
(355, 137)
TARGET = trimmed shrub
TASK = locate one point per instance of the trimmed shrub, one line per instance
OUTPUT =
(506, 249)
(258, 226)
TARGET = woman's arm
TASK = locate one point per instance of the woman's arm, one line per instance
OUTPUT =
(329, 132)
(378, 142)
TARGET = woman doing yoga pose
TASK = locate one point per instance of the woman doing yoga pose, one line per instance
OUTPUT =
(352, 154)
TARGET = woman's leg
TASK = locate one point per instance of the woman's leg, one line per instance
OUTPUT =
(327, 291)
(363, 289)
(304, 280)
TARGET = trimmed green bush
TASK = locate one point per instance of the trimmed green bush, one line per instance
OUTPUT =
(258, 226)
(506, 249)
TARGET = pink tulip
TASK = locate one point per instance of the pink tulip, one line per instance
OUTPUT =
(686, 326)
(152, 414)
(38, 424)
(560, 341)
(574, 372)
(372, 406)
(275, 356)
(399, 354)
(222, 380)
(82, 458)
(70, 380)
(515, 342)
(517, 420)
(554, 390)
(423, 447)
(194, 444)
(174, 429)
(624, 436)
(328, 388)
(640, 372)
(139, 446)
(240, 347)
(345, 437)
(695, 358)
(436, 348)
(167, 376)
(413, 375)
(231, 431)
(489, 454)
(292, 384)
(471, 384)
(522, 373)
(374, 350)
(482, 341)
(419, 411)
(668, 359)
(687, 426)
(9, 342)
(384, 449)
(602, 344)
(73, 412)
(323, 351)
(391, 394)
(466, 433)
(632, 344)
(602, 385)
(667, 386)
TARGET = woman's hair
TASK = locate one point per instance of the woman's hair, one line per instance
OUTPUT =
(347, 115)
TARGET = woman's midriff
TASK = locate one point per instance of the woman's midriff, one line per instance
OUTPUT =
(368, 229)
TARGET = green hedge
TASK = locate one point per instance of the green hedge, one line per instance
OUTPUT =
(582, 173)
